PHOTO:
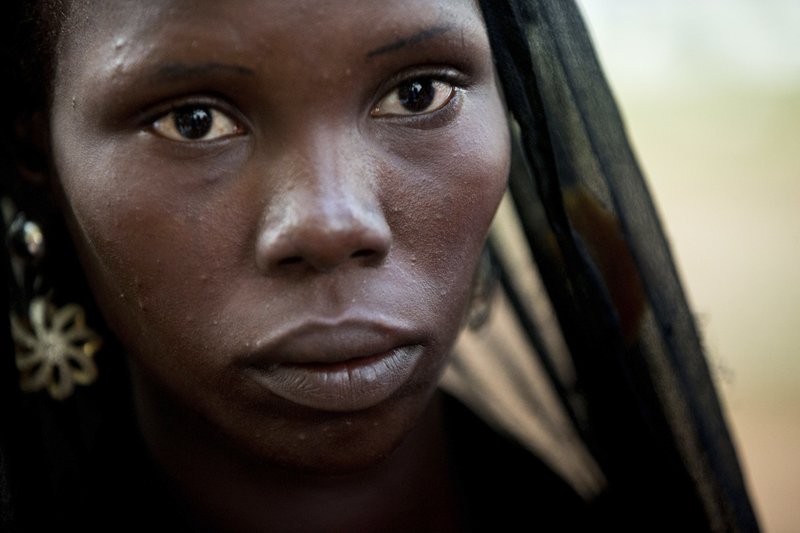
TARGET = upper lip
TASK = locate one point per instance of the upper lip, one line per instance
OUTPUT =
(330, 341)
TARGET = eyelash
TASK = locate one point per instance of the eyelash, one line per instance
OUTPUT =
(218, 124)
(168, 125)
(441, 77)
(399, 101)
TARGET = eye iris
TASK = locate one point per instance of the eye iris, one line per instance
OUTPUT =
(193, 122)
(416, 95)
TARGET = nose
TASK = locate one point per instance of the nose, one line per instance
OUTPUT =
(324, 218)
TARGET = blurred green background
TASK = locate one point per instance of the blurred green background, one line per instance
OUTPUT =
(710, 90)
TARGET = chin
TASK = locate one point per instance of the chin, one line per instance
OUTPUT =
(336, 444)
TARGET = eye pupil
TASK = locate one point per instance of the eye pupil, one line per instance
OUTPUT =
(193, 122)
(416, 95)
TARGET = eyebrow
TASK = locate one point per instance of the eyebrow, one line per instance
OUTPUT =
(417, 38)
(176, 71)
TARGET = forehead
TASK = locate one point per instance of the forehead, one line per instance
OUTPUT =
(320, 27)
(122, 48)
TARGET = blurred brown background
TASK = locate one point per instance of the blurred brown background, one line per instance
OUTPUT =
(710, 90)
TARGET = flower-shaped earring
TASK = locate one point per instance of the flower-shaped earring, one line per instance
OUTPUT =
(57, 351)
(54, 347)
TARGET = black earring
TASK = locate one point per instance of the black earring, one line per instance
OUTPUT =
(483, 289)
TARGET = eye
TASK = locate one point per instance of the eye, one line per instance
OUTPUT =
(417, 96)
(196, 123)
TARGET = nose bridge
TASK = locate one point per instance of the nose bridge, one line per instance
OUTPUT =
(328, 176)
(327, 212)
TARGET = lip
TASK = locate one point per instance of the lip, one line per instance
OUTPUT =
(351, 385)
(342, 366)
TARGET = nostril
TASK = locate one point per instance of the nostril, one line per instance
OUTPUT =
(323, 239)
(296, 259)
(363, 253)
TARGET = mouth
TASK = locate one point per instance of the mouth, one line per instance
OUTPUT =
(350, 385)
(345, 365)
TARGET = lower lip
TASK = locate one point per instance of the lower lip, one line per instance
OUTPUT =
(348, 386)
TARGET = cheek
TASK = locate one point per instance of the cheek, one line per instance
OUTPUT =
(151, 257)
(459, 176)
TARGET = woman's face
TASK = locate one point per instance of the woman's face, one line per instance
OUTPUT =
(280, 207)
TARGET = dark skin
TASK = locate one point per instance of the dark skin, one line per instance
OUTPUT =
(261, 185)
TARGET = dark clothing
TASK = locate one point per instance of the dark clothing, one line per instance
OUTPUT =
(503, 486)
(637, 391)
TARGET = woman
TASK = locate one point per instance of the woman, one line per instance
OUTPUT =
(279, 210)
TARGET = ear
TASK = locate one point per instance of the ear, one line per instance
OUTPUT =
(31, 149)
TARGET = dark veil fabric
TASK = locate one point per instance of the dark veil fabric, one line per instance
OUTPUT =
(591, 356)
(630, 375)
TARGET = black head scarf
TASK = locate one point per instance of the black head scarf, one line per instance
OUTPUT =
(618, 345)
(591, 356)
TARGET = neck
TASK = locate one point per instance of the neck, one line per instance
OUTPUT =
(409, 490)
